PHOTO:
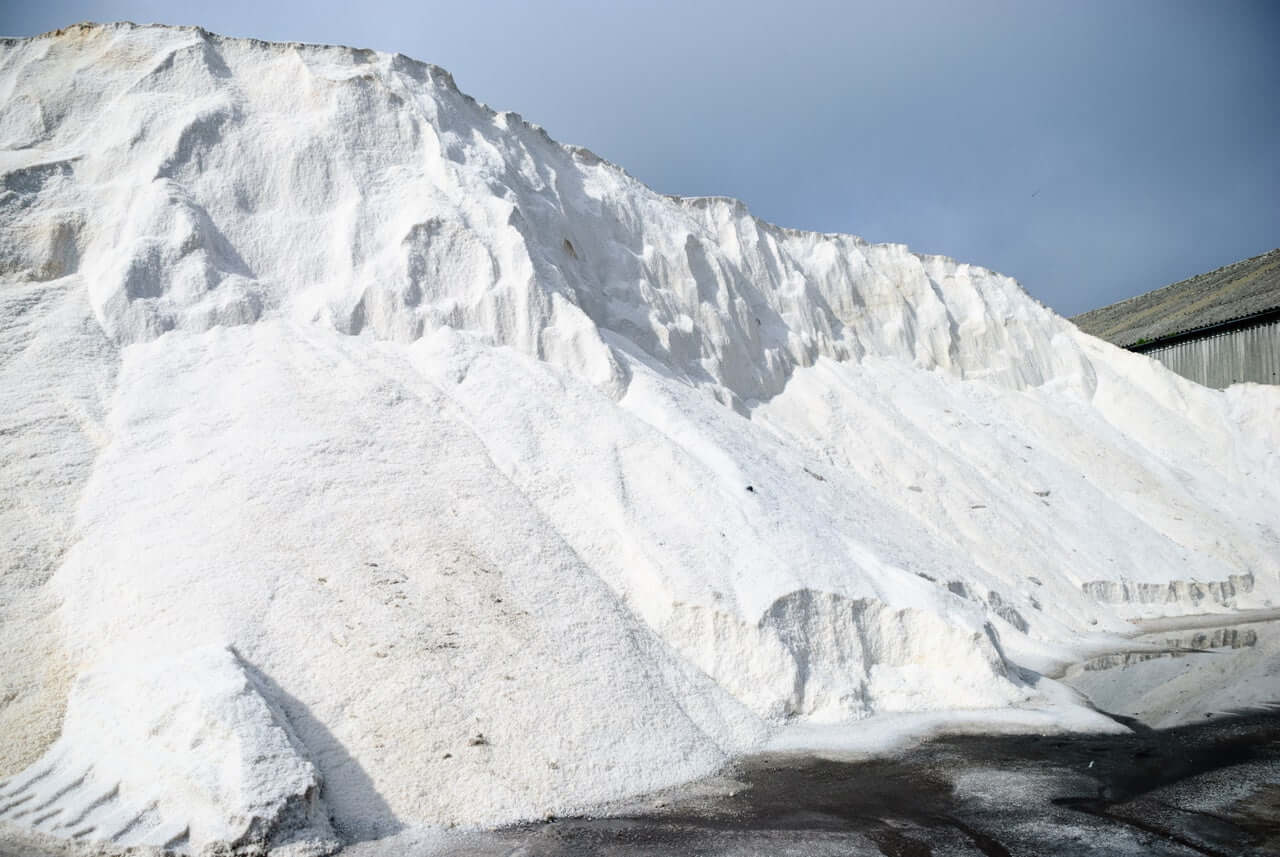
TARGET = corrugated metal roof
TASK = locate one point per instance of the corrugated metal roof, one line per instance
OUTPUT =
(1239, 290)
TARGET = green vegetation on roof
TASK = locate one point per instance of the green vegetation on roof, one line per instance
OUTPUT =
(1241, 289)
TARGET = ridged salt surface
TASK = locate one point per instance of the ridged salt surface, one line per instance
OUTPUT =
(447, 475)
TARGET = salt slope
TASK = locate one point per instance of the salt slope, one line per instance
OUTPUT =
(259, 792)
(448, 428)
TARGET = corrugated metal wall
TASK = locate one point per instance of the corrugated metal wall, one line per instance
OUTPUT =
(1250, 354)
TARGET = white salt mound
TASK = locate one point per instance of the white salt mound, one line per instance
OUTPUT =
(124, 768)
(376, 460)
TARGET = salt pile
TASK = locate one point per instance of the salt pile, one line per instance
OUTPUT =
(401, 466)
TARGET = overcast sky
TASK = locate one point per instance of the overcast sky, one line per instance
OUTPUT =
(1093, 150)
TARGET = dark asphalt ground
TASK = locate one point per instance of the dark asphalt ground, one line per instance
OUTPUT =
(1212, 788)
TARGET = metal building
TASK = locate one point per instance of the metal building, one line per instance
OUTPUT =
(1217, 329)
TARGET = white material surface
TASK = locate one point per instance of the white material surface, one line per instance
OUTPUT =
(182, 753)
(521, 486)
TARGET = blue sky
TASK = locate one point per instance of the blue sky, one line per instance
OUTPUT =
(1093, 150)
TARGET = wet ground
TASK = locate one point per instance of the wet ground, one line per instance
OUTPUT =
(1185, 674)
(1205, 789)
(1207, 785)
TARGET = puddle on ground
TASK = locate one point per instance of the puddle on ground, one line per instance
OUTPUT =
(1171, 678)
(1199, 642)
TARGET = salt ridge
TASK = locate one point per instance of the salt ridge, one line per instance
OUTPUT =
(517, 486)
